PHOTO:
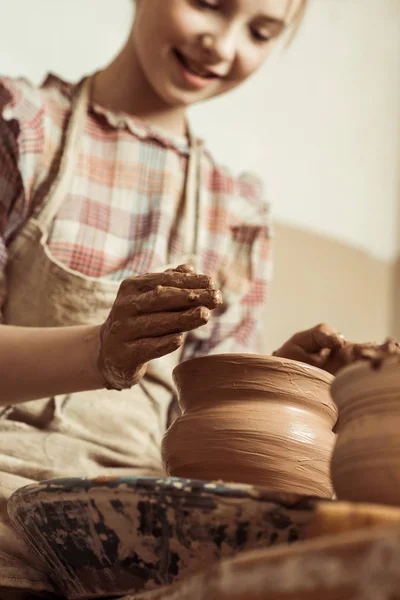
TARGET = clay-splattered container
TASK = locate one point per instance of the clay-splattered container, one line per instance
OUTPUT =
(366, 459)
(252, 419)
(110, 537)
(360, 565)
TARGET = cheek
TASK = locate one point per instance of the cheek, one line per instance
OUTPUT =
(248, 63)
(175, 24)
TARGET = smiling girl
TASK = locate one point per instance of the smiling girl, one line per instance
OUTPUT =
(104, 191)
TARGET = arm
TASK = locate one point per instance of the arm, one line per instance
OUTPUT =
(40, 363)
(146, 322)
(149, 313)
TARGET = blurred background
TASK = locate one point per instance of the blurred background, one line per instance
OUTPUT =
(320, 124)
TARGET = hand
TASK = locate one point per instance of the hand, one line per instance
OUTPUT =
(148, 319)
(320, 346)
(368, 351)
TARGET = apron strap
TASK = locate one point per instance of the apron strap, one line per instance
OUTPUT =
(61, 185)
(70, 155)
(193, 200)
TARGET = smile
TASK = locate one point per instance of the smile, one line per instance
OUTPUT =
(194, 67)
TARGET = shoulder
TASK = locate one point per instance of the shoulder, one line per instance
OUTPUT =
(32, 112)
(19, 99)
(245, 192)
(32, 118)
(29, 104)
(21, 116)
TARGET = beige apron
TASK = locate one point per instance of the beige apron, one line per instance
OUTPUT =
(84, 434)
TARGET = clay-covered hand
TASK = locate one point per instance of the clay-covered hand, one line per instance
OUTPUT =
(320, 346)
(148, 319)
(354, 352)
(323, 347)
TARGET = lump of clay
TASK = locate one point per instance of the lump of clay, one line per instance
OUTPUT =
(366, 459)
(351, 353)
(264, 421)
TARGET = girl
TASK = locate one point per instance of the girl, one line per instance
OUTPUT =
(101, 183)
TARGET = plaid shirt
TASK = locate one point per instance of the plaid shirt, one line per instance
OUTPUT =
(120, 216)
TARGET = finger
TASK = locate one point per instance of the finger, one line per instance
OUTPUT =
(336, 361)
(182, 269)
(317, 338)
(171, 278)
(297, 353)
(366, 350)
(146, 349)
(164, 299)
(348, 354)
(185, 269)
(163, 323)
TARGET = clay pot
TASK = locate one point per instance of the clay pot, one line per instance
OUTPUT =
(252, 419)
(366, 460)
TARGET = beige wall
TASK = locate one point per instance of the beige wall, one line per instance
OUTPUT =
(320, 124)
(316, 279)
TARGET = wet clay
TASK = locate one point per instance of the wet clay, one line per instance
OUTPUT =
(148, 319)
(366, 459)
(351, 353)
(252, 419)
(323, 347)
(376, 354)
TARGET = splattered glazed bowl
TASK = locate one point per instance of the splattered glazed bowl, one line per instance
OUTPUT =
(109, 537)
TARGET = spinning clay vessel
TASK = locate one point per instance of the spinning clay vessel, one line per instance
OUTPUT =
(366, 459)
(252, 419)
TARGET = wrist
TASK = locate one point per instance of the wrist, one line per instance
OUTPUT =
(115, 371)
(91, 350)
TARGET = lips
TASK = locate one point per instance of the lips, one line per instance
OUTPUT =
(195, 67)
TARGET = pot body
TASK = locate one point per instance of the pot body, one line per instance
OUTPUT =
(253, 419)
(366, 459)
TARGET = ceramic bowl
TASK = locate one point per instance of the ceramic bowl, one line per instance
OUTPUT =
(110, 537)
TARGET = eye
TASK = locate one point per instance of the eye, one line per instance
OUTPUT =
(261, 36)
(210, 4)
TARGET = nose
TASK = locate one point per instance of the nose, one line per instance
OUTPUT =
(220, 46)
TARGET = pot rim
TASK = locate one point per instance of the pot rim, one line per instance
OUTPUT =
(363, 366)
(277, 360)
(367, 365)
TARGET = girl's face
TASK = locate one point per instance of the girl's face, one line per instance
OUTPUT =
(192, 50)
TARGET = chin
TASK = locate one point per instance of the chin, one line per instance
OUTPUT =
(179, 101)
(179, 98)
